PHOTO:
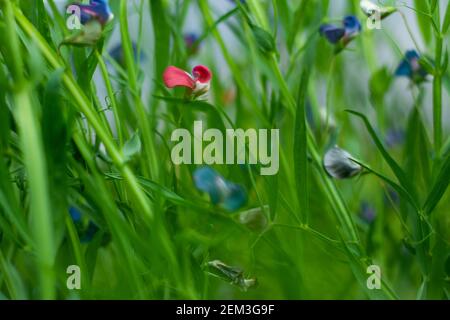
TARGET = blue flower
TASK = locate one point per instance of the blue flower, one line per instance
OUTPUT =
(226, 194)
(96, 9)
(86, 228)
(367, 212)
(410, 67)
(394, 137)
(75, 214)
(341, 36)
(89, 233)
(190, 40)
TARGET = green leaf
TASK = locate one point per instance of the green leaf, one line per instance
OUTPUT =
(400, 190)
(161, 191)
(379, 85)
(439, 187)
(86, 37)
(132, 147)
(161, 29)
(417, 152)
(446, 23)
(423, 20)
(264, 40)
(301, 148)
(399, 173)
(223, 18)
(359, 268)
(427, 64)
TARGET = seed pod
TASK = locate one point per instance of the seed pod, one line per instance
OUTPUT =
(338, 164)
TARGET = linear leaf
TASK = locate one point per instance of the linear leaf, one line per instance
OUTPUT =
(398, 171)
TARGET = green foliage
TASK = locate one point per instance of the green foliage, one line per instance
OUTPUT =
(71, 144)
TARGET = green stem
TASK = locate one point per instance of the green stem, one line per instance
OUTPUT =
(91, 115)
(112, 98)
(149, 148)
(34, 160)
(333, 195)
(437, 96)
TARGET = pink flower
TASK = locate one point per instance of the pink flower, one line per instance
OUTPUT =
(197, 82)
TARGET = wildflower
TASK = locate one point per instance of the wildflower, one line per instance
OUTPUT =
(89, 232)
(96, 10)
(370, 9)
(228, 195)
(391, 198)
(86, 229)
(197, 83)
(394, 137)
(254, 219)
(93, 16)
(75, 214)
(233, 275)
(339, 164)
(191, 42)
(341, 36)
(410, 67)
(367, 212)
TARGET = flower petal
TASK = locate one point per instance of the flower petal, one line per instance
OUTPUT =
(97, 9)
(332, 33)
(236, 197)
(75, 214)
(369, 8)
(202, 74)
(338, 164)
(228, 195)
(404, 69)
(175, 77)
(352, 26)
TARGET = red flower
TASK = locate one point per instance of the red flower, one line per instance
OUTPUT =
(197, 82)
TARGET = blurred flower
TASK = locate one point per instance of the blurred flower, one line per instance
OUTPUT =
(367, 212)
(228, 195)
(89, 233)
(190, 40)
(93, 17)
(86, 229)
(254, 219)
(338, 164)
(392, 197)
(410, 67)
(198, 83)
(341, 36)
(394, 137)
(75, 214)
(228, 96)
(234, 1)
(230, 274)
(118, 55)
(370, 9)
(96, 9)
